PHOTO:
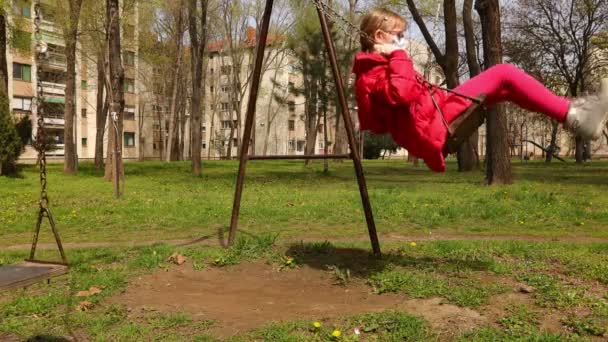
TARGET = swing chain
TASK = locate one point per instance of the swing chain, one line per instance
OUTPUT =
(41, 141)
(346, 25)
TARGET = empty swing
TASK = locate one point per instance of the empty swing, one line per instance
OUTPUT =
(33, 270)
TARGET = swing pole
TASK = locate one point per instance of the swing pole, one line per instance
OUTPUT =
(348, 123)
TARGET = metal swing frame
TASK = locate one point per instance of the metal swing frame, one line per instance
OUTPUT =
(33, 270)
(350, 132)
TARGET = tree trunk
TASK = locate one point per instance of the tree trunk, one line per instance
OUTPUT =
(198, 80)
(579, 155)
(498, 169)
(553, 144)
(71, 39)
(173, 113)
(3, 62)
(468, 157)
(142, 139)
(101, 113)
(115, 85)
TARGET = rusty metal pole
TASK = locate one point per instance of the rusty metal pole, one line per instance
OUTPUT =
(249, 120)
(348, 123)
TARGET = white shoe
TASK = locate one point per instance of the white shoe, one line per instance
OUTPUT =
(588, 115)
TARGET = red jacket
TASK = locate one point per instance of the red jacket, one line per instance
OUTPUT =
(393, 98)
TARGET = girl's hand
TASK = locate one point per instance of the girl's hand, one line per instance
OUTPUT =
(386, 49)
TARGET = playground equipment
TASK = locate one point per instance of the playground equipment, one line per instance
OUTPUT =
(458, 131)
(33, 270)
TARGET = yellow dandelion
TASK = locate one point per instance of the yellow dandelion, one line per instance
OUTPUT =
(336, 333)
(317, 325)
(413, 244)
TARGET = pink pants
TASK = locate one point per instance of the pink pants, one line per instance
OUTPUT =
(505, 82)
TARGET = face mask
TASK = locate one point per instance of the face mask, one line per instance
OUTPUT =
(400, 42)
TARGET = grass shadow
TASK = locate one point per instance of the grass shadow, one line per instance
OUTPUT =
(362, 263)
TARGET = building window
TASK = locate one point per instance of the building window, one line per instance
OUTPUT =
(129, 139)
(225, 69)
(300, 146)
(129, 113)
(204, 144)
(84, 142)
(22, 103)
(211, 69)
(292, 106)
(83, 113)
(129, 85)
(204, 129)
(22, 72)
(225, 106)
(226, 124)
(235, 142)
(84, 84)
(291, 145)
(129, 58)
(292, 125)
(225, 89)
(291, 87)
(211, 89)
(22, 8)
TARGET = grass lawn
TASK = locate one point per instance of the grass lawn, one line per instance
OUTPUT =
(163, 201)
(521, 286)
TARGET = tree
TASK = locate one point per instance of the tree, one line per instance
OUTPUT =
(178, 40)
(10, 144)
(563, 32)
(449, 63)
(115, 84)
(198, 41)
(498, 164)
(70, 34)
(376, 145)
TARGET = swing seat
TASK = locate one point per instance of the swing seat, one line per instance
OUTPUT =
(28, 272)
(465, 125)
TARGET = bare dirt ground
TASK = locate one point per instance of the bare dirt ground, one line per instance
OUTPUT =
(250, 295)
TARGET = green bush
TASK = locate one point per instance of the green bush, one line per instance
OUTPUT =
(10, 142)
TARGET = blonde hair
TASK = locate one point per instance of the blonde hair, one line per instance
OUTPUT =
(378, 19)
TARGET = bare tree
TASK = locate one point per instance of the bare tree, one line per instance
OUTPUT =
(115, 84)
(177, 70)
(198, 41)
(101, 113)
(563, 31)
(498, 164)
(449, 63)
(70, 33)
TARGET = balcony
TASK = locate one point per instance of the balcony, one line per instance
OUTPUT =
(54, 118)
(57, 60)
(53, 89)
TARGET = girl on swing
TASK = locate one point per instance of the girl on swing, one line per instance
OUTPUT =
(393, 98)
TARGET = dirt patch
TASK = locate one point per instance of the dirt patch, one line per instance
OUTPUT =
(248, 296)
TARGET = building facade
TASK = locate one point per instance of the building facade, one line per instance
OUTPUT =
(23, 77)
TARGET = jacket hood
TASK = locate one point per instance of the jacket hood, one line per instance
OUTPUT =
(364, 61)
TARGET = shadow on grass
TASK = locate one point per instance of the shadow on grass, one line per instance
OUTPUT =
(47, 338)
(362, 263)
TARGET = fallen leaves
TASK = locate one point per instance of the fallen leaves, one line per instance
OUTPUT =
(93, 290)
(84, 306)
(177, 258)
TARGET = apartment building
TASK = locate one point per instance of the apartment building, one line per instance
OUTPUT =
(23, 73)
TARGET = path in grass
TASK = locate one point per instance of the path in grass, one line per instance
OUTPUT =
(391, 238)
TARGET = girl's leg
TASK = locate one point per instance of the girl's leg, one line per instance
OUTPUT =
(505, 82)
